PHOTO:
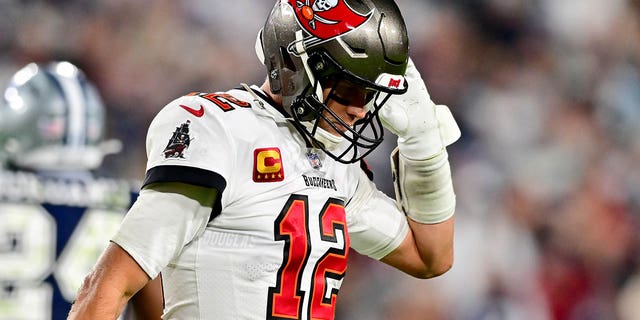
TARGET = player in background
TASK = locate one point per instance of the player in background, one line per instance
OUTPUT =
(55, 215)
(253, 197)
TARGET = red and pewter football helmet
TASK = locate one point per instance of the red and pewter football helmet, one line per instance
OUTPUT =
(311, 45)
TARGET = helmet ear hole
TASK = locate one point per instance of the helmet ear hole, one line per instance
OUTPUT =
(285, 72)
(274, 75)
(286, 59)
(281, 66)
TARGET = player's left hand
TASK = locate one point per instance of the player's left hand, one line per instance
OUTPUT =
(423, 128)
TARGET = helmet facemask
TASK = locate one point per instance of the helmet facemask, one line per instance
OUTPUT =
(344, 88)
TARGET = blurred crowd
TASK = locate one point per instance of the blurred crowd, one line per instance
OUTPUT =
(547, 173)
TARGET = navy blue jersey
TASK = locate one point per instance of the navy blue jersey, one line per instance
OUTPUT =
(52, 231)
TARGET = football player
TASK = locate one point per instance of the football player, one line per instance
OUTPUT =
(55, 216)
(253, 197)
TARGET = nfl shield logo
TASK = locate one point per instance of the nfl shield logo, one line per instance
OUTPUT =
(314, 159)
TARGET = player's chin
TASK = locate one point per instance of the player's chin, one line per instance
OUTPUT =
(337, 130)
(334, 128)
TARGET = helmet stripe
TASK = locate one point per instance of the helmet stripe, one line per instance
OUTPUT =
(76, 114)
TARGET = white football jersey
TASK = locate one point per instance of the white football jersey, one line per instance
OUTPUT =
(277, 241)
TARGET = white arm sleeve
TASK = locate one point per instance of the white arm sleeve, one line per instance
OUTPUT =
(376, 225)
(161, 223)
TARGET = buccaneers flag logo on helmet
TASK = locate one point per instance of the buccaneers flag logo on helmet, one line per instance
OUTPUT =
(326, 19)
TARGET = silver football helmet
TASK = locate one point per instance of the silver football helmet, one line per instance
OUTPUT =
(52, 118)
(312, 45)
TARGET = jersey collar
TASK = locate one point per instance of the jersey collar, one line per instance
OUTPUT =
(264, 105)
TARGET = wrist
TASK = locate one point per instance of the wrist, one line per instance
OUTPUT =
(424, 188)
(420, 148)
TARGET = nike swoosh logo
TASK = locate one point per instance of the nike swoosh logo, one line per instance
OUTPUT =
(198, 113)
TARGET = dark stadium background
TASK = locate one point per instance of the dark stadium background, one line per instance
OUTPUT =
(547, 173)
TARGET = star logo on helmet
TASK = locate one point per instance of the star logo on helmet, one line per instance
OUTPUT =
(326, 19)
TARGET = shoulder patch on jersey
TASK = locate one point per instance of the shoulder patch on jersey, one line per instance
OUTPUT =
(179, 142)
(267, 165)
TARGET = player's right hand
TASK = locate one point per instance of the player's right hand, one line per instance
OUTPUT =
(423, 128)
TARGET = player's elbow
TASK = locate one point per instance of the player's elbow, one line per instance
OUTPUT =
(433, 268)
(443, 267)
(432, 272)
